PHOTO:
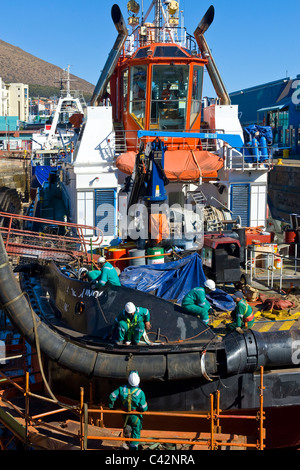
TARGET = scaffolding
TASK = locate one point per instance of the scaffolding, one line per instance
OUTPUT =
(25, 426)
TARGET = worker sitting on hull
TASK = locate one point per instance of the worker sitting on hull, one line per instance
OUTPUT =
(130, 324)
(195, 302)
(132, 398)
(107, 274)
(242, 315)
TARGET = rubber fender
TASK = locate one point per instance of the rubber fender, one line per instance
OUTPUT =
(276, 349)
(117, 366)
(184, 366)
(78, 359)
(52, 344)
(241, 352)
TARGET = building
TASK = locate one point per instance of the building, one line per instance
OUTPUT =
(19, 101)
(4, 98)
(275, 104)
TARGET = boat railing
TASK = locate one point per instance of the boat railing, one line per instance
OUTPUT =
(236, 157)
(128, 140)
(153, 34)
(273, 263)
(33, 237)
(247, 158)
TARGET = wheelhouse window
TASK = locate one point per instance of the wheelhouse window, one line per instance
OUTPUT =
(169, 96)
(196, 93)
(138, 81)
(125, 89)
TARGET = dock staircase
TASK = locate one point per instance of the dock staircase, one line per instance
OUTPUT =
(120, 140)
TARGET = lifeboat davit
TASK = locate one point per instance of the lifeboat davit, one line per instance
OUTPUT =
(179, 165)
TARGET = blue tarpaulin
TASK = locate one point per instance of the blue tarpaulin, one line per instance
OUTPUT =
(41, 173)
(264, 131)
(173, 280)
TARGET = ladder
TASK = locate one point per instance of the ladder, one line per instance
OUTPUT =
(120, 141)
(198, 197)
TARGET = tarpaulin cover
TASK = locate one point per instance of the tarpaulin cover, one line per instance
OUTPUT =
(41, 173)
(179, 165)
(174, 280)
(264, 131)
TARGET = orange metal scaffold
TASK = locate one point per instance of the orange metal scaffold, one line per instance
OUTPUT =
(214, 416)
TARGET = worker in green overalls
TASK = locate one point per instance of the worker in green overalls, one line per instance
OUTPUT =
(105, 275)
(109, 274)
(195, 302)
(130, 324)
(242, 315)
(132, 398)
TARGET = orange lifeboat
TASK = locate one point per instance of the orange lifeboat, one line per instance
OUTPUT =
(179, 165)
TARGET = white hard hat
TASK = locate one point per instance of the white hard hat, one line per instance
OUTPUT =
(81, 271)
(130, 307)
(209, 283)
(101, 259)
(134, 379)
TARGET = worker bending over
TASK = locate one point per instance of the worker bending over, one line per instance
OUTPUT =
(130, 324)
(132, 398)
(195, 302)
(242, 315)
(106, 275)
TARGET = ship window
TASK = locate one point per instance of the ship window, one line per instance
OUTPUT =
(168, 51)
(196, 93)
(138, 81)
(142, 53)
(85, 210)
(169, 96)
(125, 89)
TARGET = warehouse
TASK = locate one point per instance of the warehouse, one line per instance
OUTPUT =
(275, 104)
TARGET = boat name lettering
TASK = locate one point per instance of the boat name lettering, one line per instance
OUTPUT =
(89, 293)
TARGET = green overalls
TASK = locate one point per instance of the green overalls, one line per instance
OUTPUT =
(195, 302)
(131, 327)
(109, 276)
(132, 398)
(242, 316)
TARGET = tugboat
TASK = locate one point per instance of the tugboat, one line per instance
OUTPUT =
(156, 141)
(149, 140)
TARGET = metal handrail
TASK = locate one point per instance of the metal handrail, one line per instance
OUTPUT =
(17, 240)
(265, 256)
(234, 158)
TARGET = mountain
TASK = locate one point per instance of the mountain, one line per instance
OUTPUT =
(18, 66)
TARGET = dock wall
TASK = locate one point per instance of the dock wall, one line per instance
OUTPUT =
(15, 174)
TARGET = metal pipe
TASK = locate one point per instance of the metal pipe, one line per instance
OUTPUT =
(113, 57)
(206, 53)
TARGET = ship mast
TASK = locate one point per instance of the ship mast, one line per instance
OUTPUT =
(157, 19)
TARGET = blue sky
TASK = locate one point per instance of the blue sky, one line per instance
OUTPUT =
(252, 42)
